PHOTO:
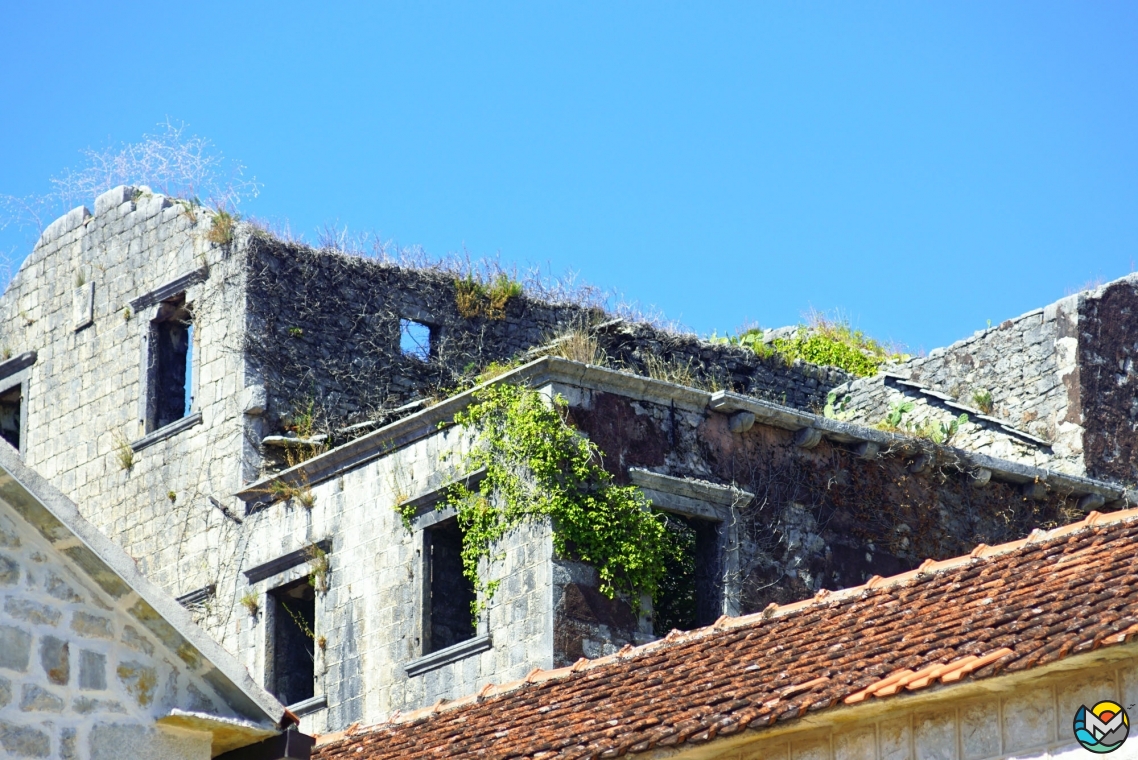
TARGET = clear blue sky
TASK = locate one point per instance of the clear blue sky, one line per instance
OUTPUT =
(923, 167)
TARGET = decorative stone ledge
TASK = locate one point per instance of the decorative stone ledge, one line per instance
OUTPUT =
(17, 363)
(170, 289)
(196, 597)
(687, 495)
(459, 651)
(280, 564)
(850, 433)
(167, 431)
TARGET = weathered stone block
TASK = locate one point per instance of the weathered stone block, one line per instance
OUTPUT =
(35, 698)
(112, 199)
(94, 626)
(980, 730)
(1029, 720)
(894, 737)
(55, 657)
(24, 741)
(92, 670)
(33, 612)
(934, 735)
(9, 571)
(60, 589)
(88, 705)
(15, 648)
(139, 680)
(68, 748)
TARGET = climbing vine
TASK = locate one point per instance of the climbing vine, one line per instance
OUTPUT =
(539, 466)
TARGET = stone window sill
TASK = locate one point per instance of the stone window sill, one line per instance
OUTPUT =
(459, 651)
(167, 431)
(308, 706)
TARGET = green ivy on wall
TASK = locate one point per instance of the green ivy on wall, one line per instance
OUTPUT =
(538, 466)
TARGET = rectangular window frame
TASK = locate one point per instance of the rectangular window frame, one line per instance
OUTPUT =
(19, 379)
(265, 578)
(705, 501)
(427, 517)
(146, 310)
(274, 617)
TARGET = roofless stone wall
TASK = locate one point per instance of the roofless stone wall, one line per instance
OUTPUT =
(1061, 379)
(1108, 380)
(324, 329)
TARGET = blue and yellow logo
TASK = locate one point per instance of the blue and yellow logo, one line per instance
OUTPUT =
(1102, 728)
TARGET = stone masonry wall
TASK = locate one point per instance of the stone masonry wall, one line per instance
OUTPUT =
(822, 518)
(1063, 373)
(869, 401)
(1032, 720)
(324, 329)
(371, 614)
(1108, 380)
(78, 681)
(642, 349)
(1027, 364)
(85, 389)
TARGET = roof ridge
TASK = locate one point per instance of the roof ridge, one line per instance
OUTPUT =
(961, 667)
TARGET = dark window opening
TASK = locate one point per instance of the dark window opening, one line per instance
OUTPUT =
(171, 360)
(450, 598)
(688, 597)
(11, 403)
(293, 642)
(415, 339)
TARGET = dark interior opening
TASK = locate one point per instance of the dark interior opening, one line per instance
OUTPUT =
(171, 362)
(450, 613)
(293, 642)
(688, 597)
(415, 339)
(11, 402)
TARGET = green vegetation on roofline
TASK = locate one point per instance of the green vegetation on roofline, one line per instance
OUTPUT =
(823, 341)
(748, 337)
(538, 466)
(479, 297)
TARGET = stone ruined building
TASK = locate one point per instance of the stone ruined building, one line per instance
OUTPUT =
(175, 383)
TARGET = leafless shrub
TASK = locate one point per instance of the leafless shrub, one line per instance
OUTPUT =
(170, 161)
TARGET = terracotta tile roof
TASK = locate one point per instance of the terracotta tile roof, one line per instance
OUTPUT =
(999, 609)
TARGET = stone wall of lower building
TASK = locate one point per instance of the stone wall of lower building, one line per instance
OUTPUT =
(371, 617)
(79, 680)
(1032, 718)
(821, 517)
(1062, 375)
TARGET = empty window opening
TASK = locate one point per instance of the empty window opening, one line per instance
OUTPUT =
(450, 594)
(688, 596)
(415, 339)
(11, 407)
(171, 362)
(293, 645)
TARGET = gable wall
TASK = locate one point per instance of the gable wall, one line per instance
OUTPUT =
(78, 677)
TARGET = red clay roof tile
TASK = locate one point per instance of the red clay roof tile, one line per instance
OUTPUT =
(1002, 608)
